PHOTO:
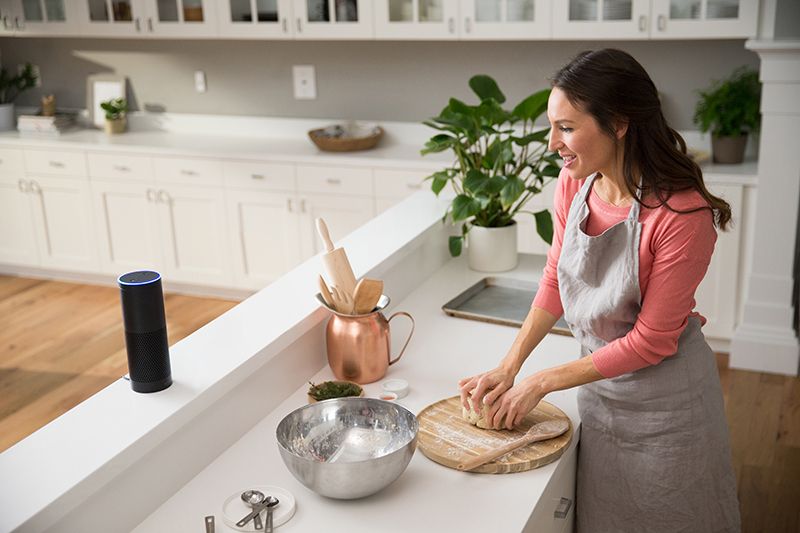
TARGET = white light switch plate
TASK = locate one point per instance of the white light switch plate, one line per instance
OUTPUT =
(305, 82)
(199, 81)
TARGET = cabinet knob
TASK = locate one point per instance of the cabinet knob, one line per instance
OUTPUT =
(563, 508)
(284, 25)
(299, 25)
(467, 24)
(23, 185)
(662, 23)
(56, 164)
(257, 176)
(121, 168)
(289, 205)
(151, 195)
(334, 181)
(451, 25)
(163, 196)
(303, 205)
(186, 172)
(137, 24)
(150, 24)
(33, 187)
(19, 24)
(643, 23)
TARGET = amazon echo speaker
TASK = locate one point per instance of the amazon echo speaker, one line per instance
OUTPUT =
(145, 331)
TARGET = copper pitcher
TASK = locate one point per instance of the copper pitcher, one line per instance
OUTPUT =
(359, 345)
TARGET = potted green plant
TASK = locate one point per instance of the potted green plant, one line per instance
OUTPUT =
(116, 111)
(501, 162)
(730, 109)
(12, 86)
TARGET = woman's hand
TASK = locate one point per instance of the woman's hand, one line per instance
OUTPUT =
(512, 407)
(485, 387)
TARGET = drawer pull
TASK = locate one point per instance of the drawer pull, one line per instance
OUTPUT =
(151, 195)
(257, 176)
(121, 168)
(303, 205)
(334, 181)
(289, 205)
(23, 186)
(33, 187)
(188, 172)
(642, 23)
(563, 508)
(415, 186)
(662, 23)
(56, 164)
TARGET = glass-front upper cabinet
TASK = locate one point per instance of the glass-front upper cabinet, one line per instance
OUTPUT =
(601, 19)
(112, 18)
(704, 18)
(39, 17)
(416, 19)
(505, 19)
(178, 18)
(333, 19)
(242, 19)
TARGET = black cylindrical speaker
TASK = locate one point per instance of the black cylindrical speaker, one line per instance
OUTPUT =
(145, 331)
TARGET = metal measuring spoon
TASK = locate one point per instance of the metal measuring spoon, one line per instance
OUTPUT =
(253, 498)
(271, 502)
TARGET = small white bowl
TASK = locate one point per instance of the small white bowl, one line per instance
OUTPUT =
(387, 396)
(396, 386)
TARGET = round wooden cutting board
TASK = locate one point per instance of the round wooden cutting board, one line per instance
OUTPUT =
(445, 437)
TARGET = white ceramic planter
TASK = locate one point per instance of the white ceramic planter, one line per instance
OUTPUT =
(7, 119)
(492, 249)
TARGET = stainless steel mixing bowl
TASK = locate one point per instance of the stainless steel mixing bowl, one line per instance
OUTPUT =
(348, 448)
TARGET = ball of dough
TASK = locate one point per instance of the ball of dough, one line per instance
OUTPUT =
(477, 418)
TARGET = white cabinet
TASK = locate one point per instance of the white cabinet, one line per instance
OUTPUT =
(342, 214)
(716, 297)
(657, 19)
(416, 19)
(247, 19)
(555, 510)
(39, 17)
(17, 236)
(148, 18)
(393, 185)
(333, 19)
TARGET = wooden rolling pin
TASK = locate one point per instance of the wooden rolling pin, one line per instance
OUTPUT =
(538, 432)
(340, 273)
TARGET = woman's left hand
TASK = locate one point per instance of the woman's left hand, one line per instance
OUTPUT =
(513, 405)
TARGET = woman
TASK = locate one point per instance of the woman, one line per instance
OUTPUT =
(633, 239)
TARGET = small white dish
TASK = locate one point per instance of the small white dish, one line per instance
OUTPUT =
(234, 509)
(396, 386)
(387, 396)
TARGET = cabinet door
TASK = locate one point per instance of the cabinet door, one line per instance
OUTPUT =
(112, 18)
(64, 224)
(46, 17)
(128, 233)
(333, 19)
(10, 17)
(506, 19)
(195, 238)
(694, 19)
(17, 236)
(717, 293)
(342, 214)
(265, 234)
(244, 19)
(181, 18)
(601, 19)
(416, 19)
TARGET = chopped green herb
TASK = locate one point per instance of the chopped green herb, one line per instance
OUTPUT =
(333, 389)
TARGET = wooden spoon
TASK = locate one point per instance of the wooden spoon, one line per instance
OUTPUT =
(342, 300)
(538, 432)
(326, 293)
(366, 295)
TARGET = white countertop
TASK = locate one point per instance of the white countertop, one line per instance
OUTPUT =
(428, 496)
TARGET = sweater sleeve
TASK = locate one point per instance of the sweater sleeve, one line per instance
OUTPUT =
(548, 297)
(682, 252)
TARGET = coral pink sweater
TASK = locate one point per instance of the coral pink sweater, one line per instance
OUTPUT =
(674, 252)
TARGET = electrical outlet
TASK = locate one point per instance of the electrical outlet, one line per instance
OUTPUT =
(200, 81)
(36, 73)
(305, 82)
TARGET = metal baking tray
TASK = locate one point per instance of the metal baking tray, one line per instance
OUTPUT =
(503, 301)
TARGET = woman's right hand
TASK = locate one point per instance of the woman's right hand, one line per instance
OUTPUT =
(485, 387)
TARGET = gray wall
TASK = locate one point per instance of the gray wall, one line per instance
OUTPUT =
(374, 80)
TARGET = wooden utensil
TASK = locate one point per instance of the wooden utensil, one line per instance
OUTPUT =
(326, 293)
(366, 295)
(446, 438)
(342, 301)
(335, 261)
(546, 430)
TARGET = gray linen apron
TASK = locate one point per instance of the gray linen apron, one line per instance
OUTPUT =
(654, 449)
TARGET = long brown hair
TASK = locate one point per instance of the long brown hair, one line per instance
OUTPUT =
(612, 86)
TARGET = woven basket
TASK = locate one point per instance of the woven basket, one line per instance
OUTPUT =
(345, 144)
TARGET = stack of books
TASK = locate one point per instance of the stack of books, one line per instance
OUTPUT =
(53, 125)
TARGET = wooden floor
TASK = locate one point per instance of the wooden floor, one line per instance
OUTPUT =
(62, 342)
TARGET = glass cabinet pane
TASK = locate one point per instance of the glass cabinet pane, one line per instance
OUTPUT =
(318, 11)
(346, 11)
(267, 10)
(32, 11)
(98, 10)
(684, 9)
(520, 11)
(122, 10)
(582, 9)
(241, 11)
(401, 10)
(193, 10)
(55, 10)
(487, 11)
(617, 10)
(722, 9)
(167, 11)
(431, 11)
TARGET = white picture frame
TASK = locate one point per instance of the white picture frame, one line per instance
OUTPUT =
(100, 88)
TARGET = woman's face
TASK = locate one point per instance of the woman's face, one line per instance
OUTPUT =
(578, 139)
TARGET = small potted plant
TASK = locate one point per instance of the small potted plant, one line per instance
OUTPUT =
(12, 86)
(501, 162)
(730, 109)
(333, 389)
(116, 111)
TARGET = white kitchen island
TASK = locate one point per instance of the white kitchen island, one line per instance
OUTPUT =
(123, 461)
